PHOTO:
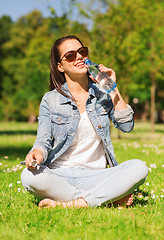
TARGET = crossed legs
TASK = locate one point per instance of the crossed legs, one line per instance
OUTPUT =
(91, 188)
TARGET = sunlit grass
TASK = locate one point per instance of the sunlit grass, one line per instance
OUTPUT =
(20, 217)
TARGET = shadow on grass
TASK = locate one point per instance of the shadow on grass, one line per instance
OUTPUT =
(159, 131)
(138, 200)
(18, 132)
(14, 152)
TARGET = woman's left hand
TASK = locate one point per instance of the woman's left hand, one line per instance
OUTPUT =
(109, 71)
(116, 97)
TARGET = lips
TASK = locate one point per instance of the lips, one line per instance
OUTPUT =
(80, 64)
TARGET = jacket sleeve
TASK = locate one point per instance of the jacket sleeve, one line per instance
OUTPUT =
(123, 119)
(43, 141)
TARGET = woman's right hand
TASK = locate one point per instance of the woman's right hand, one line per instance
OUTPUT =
(36, 155)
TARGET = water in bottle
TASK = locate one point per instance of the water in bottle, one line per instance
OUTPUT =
(101, 77)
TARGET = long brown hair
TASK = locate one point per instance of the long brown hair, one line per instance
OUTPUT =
(57, 78)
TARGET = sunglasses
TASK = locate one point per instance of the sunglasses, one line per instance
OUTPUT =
(71, 55)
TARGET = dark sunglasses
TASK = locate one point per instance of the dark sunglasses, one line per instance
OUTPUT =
(71, 55)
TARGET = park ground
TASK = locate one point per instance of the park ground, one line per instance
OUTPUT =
(20, 217)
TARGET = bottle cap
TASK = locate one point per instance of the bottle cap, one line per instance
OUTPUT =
(87, 61)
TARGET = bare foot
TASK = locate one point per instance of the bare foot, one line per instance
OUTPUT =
(78, 203)
(126, 201)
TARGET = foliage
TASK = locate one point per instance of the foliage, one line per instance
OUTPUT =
(5, 26)
(26, 69)
(20, 83)
(130, 39)
(20, 217)
(126, 37)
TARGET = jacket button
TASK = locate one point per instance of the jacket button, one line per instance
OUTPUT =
(99, 126)
(59, 119)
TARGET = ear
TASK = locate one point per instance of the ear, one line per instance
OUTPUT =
(60, 67)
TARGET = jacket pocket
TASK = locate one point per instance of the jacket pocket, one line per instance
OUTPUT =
(60, 125)
(103, 115)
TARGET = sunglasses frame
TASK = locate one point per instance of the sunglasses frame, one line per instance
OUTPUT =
(75, 54)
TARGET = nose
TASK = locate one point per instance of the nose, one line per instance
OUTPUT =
(79, 56)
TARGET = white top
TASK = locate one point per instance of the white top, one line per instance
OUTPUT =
(86, 149)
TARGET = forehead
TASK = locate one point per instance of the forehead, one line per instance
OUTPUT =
(69, 45)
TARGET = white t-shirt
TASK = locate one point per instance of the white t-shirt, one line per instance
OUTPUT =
(86, 149)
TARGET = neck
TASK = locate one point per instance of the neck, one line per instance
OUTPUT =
(77, 86)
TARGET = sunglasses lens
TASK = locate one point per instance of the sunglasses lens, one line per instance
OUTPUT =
(83, 51)
(70, 56)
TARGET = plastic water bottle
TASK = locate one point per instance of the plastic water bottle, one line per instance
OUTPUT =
(101, 77)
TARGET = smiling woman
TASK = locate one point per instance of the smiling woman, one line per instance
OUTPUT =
(58, 52)
(73, 145)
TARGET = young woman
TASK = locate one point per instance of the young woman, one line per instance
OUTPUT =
(73, 145)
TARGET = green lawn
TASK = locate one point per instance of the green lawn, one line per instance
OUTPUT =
(20, 217)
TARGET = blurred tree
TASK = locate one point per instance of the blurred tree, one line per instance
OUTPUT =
(27, 66)
(15, 85)
(129, 38)
(5, 26)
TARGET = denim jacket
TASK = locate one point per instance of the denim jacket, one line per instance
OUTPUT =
(59, 118)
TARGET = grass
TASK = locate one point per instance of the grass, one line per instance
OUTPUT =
(20, 217)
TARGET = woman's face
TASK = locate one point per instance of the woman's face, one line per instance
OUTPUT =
(75, 68)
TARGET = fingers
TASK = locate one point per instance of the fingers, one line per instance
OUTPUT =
(102, 68)
(29, 160)
(109, 71)
(34, 158)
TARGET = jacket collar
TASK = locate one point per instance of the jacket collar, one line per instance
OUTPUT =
(64, 99)
(92, 86)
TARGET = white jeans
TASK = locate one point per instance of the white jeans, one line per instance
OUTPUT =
(95, 186)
